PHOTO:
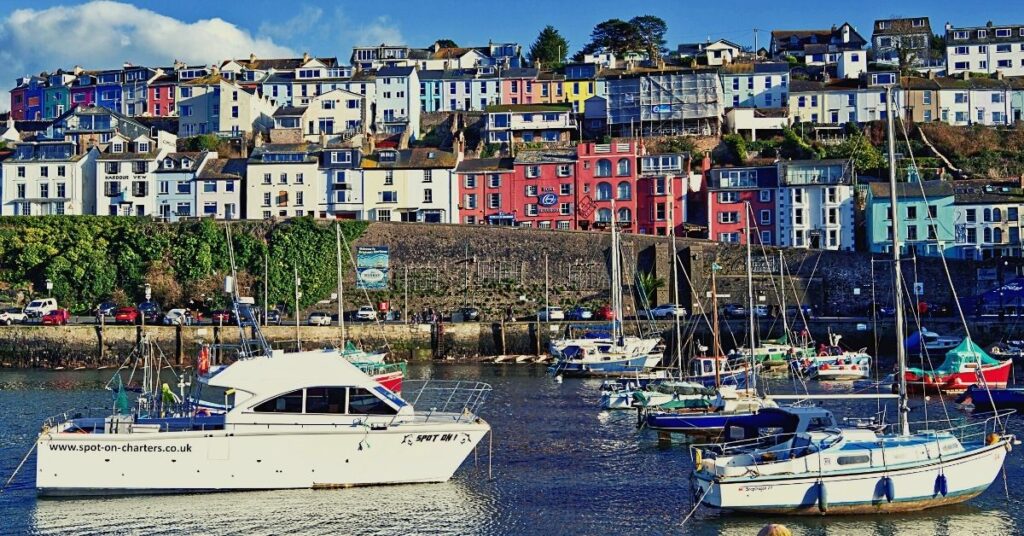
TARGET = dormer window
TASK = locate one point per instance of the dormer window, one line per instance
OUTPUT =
(143, 147)
(168, 163)
(186, 163)
(118, 147)
(388, 156)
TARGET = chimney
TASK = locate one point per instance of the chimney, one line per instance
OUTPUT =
(305, 57)
(966, 75)
(999, 75)
(1020, 181)
(78, 70)
(949, 26)
(127, 65)
(931, 74)
(252, 57)
(178, 65)
(214, 69)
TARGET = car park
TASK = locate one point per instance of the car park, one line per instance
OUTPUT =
(105, 310)
(366, 313)
(734, 310)
(12, 315)
(150, 311)
(604, 312)
(178, 317)
(579, 313)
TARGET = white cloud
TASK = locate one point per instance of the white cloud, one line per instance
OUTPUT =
(104, 34)
(380, 30)
(301, 25)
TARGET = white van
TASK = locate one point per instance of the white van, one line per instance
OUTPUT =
(38, 308)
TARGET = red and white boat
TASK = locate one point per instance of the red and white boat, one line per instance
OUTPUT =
(965, 365)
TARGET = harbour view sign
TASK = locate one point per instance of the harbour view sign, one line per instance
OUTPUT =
(372, 267)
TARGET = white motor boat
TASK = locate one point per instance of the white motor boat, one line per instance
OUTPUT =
(292, 420)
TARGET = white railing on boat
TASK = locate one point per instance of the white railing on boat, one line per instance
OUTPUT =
(456, 400)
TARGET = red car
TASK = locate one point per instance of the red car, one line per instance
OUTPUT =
(126, 315)
(58, 317)
(604, 313)
(222, 316)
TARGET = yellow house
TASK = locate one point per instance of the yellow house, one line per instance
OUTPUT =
(578, 91)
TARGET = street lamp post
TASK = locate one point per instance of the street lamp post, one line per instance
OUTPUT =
(142, 314)
(49, 288)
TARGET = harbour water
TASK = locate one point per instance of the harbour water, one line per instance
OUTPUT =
(559, 465)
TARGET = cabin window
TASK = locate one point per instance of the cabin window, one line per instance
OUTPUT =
(287, 403)
(363, 402)
(325, 400)
(850, 460)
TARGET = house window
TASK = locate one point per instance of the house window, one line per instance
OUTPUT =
(728, 217)
(266, 199)
(266, 178)
(604, 191)
(428, 196)
(389, 177)
(494, 201)
(766, 237)
(624, 191)
(427, 176)
(210, 186)
(766, 217)
(604, 168)
(728, 197)
(383, 214)
(531, 190)
(971, 215)
(299, 178)
(765, 196)
(210, 208)
(532, 172)
(530, 209)
(299, 198)
(565, 189)
(623, 167)
(494, 181)
(564, 170)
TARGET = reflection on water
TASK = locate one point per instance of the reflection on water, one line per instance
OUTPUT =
(377, 510)
(560, 466)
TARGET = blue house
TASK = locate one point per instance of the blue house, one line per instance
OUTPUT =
(925, 216)
(109, 90)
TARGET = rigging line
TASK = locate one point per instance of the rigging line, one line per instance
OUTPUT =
(874, 334)
(945, 266)
(698, 503)
(925, 356)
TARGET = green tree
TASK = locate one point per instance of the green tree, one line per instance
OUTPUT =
(614, 35)
(446, 43)
(649, 285)
(202, 142)
(650, 31)
(550, 48)
(858, 148)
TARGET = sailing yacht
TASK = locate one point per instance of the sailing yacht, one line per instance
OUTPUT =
(832, 470)
(613, 355)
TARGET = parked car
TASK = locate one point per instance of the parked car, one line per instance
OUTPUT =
(126, 315)
(579, 313)
(178, 317)
(793, 311)
(151, 311)
(887, 310)
(668, 310)
(12, 314)
(274, 317)
(468, 314)
(56, 317)
(38, 308)
(550, 313)
(734, 310)
(366, 313)
(761, 311)
(604, 312)
(105, 310)
(222, 316)
(319, 318)
(933, 309)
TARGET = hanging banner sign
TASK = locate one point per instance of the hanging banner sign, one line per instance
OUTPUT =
(372, 267)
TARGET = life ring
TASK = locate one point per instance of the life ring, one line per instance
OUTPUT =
(204, 360)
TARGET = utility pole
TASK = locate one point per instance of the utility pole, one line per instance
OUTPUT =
(755, 42)
(298, 343)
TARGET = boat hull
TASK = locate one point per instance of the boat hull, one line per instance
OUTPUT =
(983, 401)
(252, 457)
(610, 367)
(996, 377)
(914, 488)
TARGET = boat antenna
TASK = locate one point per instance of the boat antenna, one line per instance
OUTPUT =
(901, 354)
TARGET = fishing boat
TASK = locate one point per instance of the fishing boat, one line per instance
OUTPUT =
(304, 419)
(844, 367)
(716, 371)
(663, 394)
(930, 341)
(978, 398)
(773, 354)
(613, 355)
(833, 470)
(964, 365)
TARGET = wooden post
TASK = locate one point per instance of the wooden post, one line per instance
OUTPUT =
(537, 334)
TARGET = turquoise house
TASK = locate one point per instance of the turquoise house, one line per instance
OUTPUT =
(57, 95)
(925, 218)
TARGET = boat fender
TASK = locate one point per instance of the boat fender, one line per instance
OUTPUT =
(204, 360)
(822, 497)
(992, 439)
(889, 487)
(698, 459)
(941, 485)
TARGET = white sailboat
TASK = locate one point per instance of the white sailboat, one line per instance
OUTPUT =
(827, 469)
(613, 355)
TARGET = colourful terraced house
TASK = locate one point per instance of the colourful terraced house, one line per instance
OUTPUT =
(581, 83)
(57, 95)
(27, 98)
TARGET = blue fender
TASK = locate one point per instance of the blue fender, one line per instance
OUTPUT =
(941, 486)
(890, 488)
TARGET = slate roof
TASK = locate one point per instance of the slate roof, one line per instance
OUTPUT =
(417, 158)
(912, 190)
(480, 165)
(982, 191)
(290, 111)
(223, 169)
(151, 155)
(527, 108)
(546, 156)
(194, 156)
(280, 64)
(395, 71)
(902, 26)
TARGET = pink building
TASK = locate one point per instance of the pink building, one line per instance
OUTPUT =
(160, 95)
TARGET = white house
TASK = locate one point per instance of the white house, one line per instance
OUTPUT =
(175, 176)
(414, 185)
(282, 181)
(213, 105)
(218, 187)
(49, 177)
(756, 85)
(985, 49)
(398, 101)
(527, 123)
(815, 207)
(851, 64)
(341, 181)
(126, 178)
(722, 52)
(976, 101)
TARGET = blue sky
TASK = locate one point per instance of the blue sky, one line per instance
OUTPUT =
(38, 35)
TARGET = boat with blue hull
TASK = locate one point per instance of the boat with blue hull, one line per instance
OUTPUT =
(979, 399)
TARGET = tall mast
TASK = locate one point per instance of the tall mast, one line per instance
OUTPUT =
(750, 297)
(714, 323)
(901, 354)
(616, 279)
(341, 287)
(675, 276)
(782, 300)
